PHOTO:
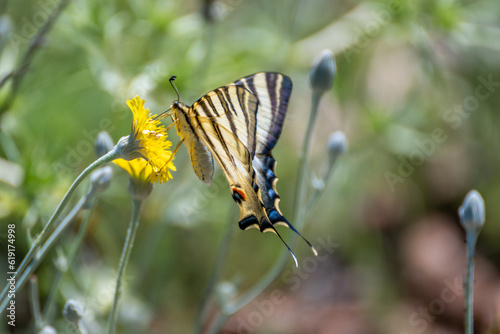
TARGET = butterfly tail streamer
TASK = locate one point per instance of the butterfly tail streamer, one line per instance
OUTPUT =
(271, 228)
(264, 165)
(290, 226)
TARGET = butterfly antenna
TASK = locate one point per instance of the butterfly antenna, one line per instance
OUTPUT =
(171, 80)
(307, 241)
(291, 252)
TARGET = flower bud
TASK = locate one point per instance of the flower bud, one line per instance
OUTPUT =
(73, 311)
(323, 72)
(101, 178)
(103, 144)
(47, 330)
(472, 212)
(337, 145)
(140, 188)
(226, 291)
(61, 262)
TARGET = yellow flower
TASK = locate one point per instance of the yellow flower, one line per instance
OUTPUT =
(147, 157)
(138, 169)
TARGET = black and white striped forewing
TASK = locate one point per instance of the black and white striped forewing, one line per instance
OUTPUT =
(234, 109)
(273, 91)
(224, 120)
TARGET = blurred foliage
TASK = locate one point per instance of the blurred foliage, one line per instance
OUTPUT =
(404, 70)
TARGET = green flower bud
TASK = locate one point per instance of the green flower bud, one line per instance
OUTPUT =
(323, 72)
(73, 311)
(47, 330)
(101, 178)
(337, 144)
(472, 212)
(103, 144)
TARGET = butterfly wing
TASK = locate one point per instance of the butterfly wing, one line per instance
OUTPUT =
(225, 120)
(202, 161)
(240, 124)
(273, 91)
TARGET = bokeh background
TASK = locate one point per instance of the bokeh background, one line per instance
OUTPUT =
(416, 94)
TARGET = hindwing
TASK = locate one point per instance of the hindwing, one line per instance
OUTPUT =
(273, 92)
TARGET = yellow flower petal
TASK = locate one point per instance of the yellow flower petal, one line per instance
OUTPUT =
(154, 146)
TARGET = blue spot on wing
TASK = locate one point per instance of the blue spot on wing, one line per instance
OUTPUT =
(263, 165)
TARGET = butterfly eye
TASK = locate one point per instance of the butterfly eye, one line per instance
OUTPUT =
(175, 105)
(238, 195)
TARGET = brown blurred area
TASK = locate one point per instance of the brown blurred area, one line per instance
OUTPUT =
(430, 265)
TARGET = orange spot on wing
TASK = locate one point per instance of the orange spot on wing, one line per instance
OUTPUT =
(240, 192)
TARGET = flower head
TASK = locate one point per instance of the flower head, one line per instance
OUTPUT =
(323, 72)
(103, 144)
(73, 311)
(472, 212)
(145, 152)
(141, 176)
(337, 144)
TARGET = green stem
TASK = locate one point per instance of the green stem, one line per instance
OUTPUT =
(127, 249)
(35, 302)
(219, 265)
(44, 249)
(313, 201)
(217, 323)
(302, 180)
(471, 238)
(35, 44)
(81, 329)
(75, 245)
(111, 155)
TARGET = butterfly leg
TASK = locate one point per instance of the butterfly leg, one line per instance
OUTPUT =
(172, 156)
(171, 125)
(164, 114)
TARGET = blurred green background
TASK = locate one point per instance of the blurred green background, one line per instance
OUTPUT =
(405, 70)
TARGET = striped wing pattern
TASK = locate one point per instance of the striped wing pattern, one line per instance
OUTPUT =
(273, 92)
(225, 120)
(234, 109)
(240, 124)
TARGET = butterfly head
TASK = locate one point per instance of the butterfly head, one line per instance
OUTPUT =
(179, 108)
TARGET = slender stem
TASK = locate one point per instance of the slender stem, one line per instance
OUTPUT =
(217, 324)
(313, 200)
(35, 302)
(75, 245)
(44, 249)
(300, 218)
(302, 180)
(81, 329)
(471, 238)
(127, 249)
(111, 155)
(219, 265)
(18, 74)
